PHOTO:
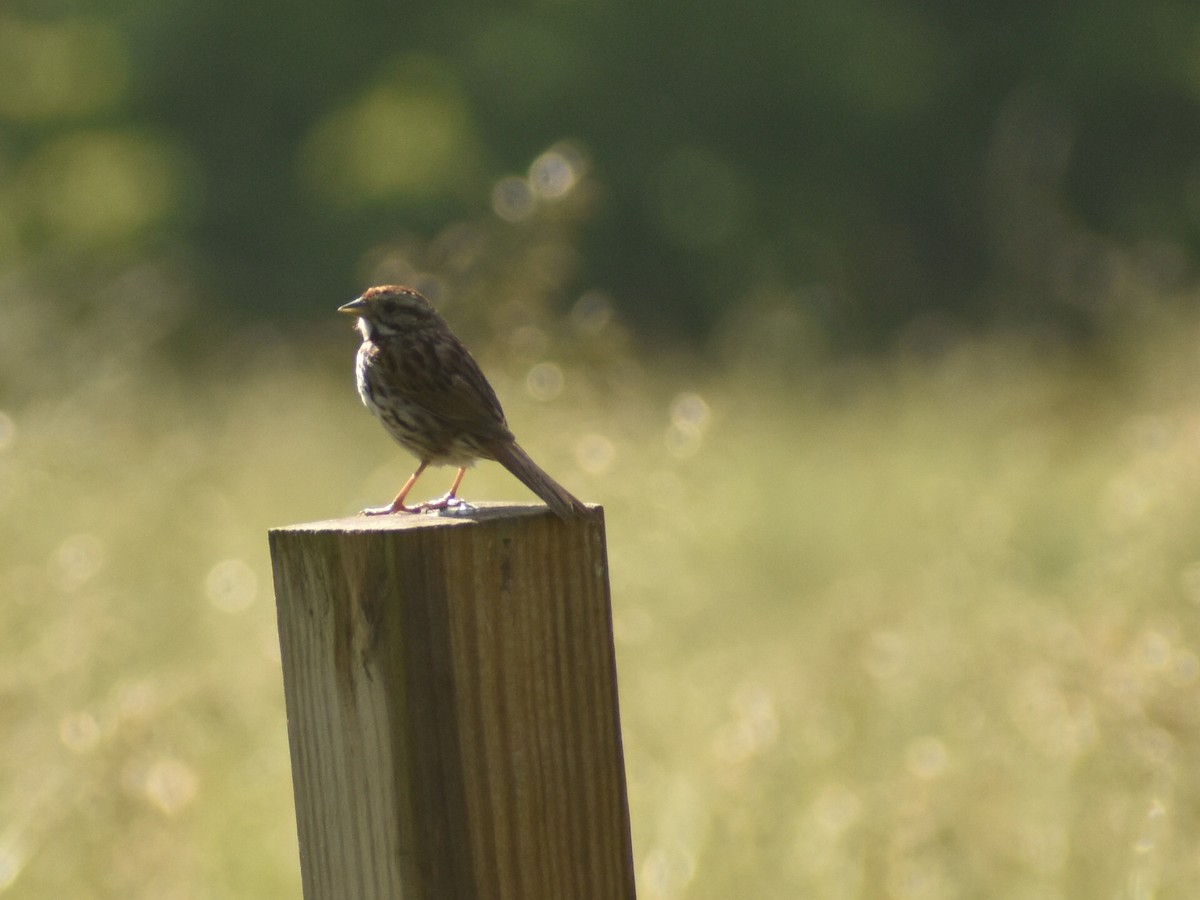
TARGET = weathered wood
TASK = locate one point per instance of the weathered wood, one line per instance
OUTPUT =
(452, 707)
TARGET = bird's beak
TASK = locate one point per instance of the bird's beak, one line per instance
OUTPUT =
(354, 307)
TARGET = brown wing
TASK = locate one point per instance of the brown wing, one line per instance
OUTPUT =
(438, 375)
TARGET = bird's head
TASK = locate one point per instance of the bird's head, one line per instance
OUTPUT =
(391, 309)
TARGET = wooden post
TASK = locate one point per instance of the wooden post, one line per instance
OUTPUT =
(452, 707)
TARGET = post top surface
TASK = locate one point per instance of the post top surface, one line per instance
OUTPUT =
(478, 512)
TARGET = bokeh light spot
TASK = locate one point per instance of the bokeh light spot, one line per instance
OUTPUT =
(681, 444)
(926, 757)
(690, 411)
(512, 199)
(79, 731)
(689, 415)
(1155, 651)
(734, 742)
(68, 67)
(231, 585)
(168, 784)
(545, 381)
(595, 454)
(171, 785)
(76, 561)
(1152, 828)
(836, 808)
(1058, 725)
(528, 341)
(411, 135)
(104, 186)
(556, 172)
(667, 870)
(137, 699)
(592, 312)
(12, 861)
(754, 728)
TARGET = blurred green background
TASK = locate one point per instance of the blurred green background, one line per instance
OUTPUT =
(872, 324)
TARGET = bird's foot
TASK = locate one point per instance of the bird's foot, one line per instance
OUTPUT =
(447, 504)
(389, 510)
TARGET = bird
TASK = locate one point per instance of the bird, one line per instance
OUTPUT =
(426, 389)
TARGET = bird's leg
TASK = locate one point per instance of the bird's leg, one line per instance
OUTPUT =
(397, 505)
(451, 498)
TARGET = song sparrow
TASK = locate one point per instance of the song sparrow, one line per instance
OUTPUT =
(431, 396)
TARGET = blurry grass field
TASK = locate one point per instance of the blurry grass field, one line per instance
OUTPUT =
(925, 627)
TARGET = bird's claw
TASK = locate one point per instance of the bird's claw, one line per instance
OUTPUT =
(388, 510)
(447, 504)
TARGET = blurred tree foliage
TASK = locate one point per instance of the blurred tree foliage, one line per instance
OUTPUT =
(878, 166)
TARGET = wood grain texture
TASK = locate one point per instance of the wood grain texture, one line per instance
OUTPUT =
(452, 707)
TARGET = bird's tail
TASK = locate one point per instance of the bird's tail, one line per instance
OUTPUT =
(530, 474)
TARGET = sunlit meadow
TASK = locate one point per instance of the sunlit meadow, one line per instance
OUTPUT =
(922, 627)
